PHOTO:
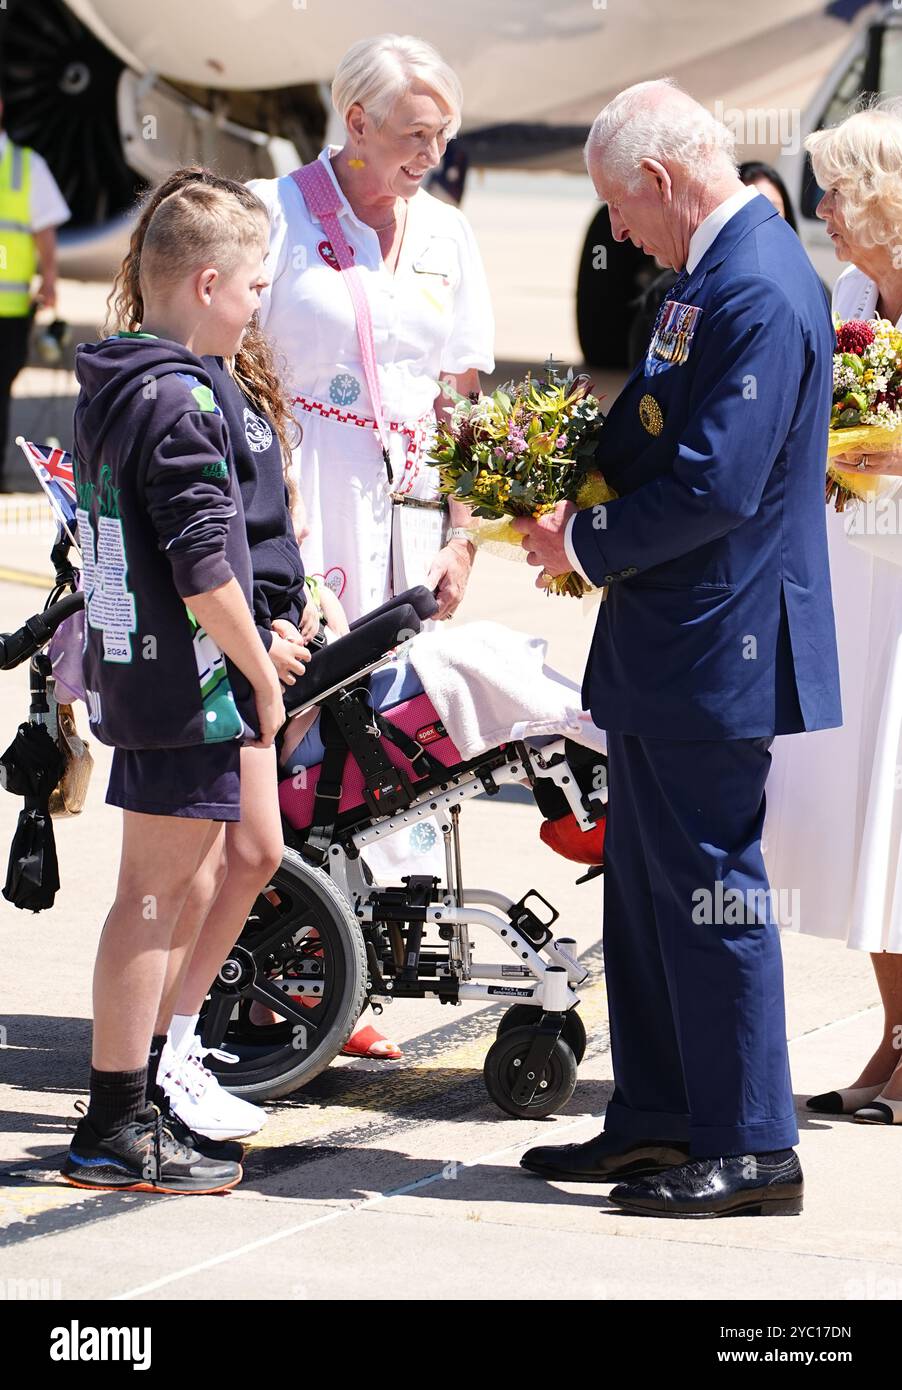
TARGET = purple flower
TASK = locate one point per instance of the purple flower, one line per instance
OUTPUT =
(561, 442)
(499, 452)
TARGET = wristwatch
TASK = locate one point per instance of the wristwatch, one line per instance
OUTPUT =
(460, 533)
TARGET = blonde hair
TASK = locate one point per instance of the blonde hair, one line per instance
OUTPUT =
(375, 72)
(862, 159)
(252, 366)
(201, 223)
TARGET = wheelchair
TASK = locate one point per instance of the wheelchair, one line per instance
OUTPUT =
(324, 940)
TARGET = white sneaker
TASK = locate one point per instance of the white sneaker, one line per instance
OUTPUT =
(197, 1097)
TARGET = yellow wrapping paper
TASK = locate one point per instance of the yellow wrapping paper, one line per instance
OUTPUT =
(859, 439)
(500, 538)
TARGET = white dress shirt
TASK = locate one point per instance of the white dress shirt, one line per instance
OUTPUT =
(702, 239)
(48, 206)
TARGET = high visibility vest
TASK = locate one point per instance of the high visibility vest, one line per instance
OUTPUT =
(18, 259)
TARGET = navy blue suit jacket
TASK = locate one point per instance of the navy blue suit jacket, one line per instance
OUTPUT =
(718, 621)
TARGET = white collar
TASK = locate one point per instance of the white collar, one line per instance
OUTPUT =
(707, 232)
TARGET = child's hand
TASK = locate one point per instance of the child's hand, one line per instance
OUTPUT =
(287, 652)
(270, 711)
(309, 620)
(334, 615)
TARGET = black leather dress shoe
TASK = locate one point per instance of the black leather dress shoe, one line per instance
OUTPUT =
(743, 1185)
(604, 1159)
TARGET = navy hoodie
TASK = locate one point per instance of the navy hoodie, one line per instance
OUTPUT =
(160, 518)
(278, 571)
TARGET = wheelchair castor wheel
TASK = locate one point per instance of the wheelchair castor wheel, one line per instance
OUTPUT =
(527, 1015)
(503, 1073)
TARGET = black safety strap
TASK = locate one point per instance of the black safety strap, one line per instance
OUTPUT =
(347, 724)
(328, 789)
(419, 757)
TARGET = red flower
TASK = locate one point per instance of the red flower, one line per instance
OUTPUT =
(854, 336)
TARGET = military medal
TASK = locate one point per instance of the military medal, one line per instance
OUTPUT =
(650, 415)
(672, 337)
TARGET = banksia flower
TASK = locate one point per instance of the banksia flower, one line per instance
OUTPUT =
(854, 336)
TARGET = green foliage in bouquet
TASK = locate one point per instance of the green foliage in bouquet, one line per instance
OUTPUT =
(527, 446)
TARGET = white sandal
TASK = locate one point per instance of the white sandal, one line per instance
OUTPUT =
(882, 1111)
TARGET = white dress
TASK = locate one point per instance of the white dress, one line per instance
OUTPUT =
(833, 833)
(432, 317)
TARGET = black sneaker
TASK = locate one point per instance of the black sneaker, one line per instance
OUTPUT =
(144, 1157)
(227, 1150)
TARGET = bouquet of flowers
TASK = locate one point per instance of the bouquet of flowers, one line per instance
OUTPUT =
(867, 403)
(518, 452)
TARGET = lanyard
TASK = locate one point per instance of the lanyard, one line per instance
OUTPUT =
(324, 201)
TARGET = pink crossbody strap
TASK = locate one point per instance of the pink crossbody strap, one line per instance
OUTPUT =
(324, 201)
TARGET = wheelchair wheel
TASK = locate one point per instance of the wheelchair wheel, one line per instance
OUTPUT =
(503, 1068)
(301, 928)
(526, 1015)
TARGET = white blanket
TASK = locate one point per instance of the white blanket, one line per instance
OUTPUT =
(490, 685)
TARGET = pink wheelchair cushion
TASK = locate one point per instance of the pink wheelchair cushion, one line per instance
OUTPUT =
(415, 717)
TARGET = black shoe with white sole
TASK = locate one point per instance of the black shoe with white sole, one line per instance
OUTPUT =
(144, 1157)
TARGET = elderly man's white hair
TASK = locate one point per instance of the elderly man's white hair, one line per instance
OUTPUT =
(375, 72)
(658, 120)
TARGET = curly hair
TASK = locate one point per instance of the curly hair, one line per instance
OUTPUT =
(253, 366)
(862, 159)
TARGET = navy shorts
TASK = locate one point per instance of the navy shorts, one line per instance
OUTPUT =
(203, 781)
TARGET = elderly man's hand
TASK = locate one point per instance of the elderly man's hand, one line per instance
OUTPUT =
(543, 541)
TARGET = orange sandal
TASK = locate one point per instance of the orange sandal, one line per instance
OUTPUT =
(367, 1042)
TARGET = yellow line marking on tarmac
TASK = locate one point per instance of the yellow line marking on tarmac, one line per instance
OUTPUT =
(34, 581)
(372, 1096)
(404, 1086)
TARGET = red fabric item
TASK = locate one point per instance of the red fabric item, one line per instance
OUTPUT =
(565, 837)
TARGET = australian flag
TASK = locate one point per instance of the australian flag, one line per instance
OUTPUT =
(52, 467)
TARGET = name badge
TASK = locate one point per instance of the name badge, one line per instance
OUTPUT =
(672, 337)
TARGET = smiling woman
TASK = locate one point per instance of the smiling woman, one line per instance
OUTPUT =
(378, 294)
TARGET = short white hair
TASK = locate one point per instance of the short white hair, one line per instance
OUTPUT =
(632, 128)
(375, 73)
(862, 158)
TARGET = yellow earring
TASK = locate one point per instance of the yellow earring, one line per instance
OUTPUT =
(357, 162)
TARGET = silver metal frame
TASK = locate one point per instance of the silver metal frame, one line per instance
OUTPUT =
(528, 980)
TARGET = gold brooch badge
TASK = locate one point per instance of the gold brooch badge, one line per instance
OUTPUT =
(650, 415)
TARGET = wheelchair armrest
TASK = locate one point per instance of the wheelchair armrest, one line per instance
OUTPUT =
(421, 599)
(339, 662)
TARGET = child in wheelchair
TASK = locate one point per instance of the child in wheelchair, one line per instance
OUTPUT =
(369, 752)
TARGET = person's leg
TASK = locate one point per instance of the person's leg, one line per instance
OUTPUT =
(195, 913)
(13, 355)
(649, 1100)
(719, 943)
(253, 852)
(160, 855)
(887, 1060)
(158, 860)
